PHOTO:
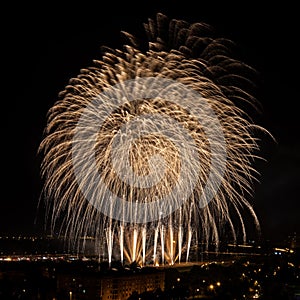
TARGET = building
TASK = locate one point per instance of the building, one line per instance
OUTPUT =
(122, 286)
(112, 285)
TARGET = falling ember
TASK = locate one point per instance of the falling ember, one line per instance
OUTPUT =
(104, 159)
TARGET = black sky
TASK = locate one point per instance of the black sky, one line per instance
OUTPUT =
(44, 46)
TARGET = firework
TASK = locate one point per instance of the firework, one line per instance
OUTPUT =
(149, 151)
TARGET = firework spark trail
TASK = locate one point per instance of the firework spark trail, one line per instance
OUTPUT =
(166, 138)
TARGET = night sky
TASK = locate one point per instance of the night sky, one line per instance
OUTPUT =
(43, 47)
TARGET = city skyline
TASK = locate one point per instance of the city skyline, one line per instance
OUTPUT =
(49, 60)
